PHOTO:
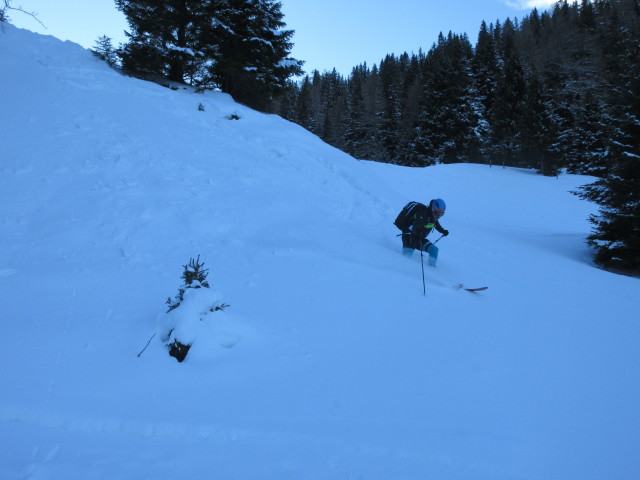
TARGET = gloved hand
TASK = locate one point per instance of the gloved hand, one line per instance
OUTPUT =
(445, 233)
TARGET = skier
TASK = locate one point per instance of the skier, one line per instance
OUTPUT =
(416, 221)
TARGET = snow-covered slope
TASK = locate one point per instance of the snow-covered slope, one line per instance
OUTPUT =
(330, 363)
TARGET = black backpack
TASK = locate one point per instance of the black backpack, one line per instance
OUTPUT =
(405, 218)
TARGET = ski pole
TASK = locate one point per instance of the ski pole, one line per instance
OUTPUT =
(424, 287)
(438, 239)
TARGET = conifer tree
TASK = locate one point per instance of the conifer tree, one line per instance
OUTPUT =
(366, 105)
(355, 135)
(411, 91)
(177, 330)
(333, 94)
(302, 113)
(485, 68)
(616, 233)
(509, 94)
(251, 60)
(163, 40)
(587, 15)
(240, 46)
(104, 50)
(193, 276)
(537, 128)
(391, 81)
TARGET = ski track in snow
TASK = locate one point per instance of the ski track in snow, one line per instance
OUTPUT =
(340, 460)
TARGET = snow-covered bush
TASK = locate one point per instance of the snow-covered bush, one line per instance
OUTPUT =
(181, 326)
(194, 276)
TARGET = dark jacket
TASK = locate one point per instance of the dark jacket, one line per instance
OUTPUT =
(423, 222)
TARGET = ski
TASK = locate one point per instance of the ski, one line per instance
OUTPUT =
(473, 290)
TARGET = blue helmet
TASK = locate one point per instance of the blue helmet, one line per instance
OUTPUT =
(438, 206)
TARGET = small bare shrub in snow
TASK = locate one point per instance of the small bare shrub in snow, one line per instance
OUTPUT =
(7, 5)
(187, 311)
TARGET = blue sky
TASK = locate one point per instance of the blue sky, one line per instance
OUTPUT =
(329, 33)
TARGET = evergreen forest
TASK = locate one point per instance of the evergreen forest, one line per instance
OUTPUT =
(551, 91)
(555, 91)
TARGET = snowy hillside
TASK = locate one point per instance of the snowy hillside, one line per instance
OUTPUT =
(329, 363)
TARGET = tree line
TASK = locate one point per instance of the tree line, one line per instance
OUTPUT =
(539, 92)
(555, 91)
